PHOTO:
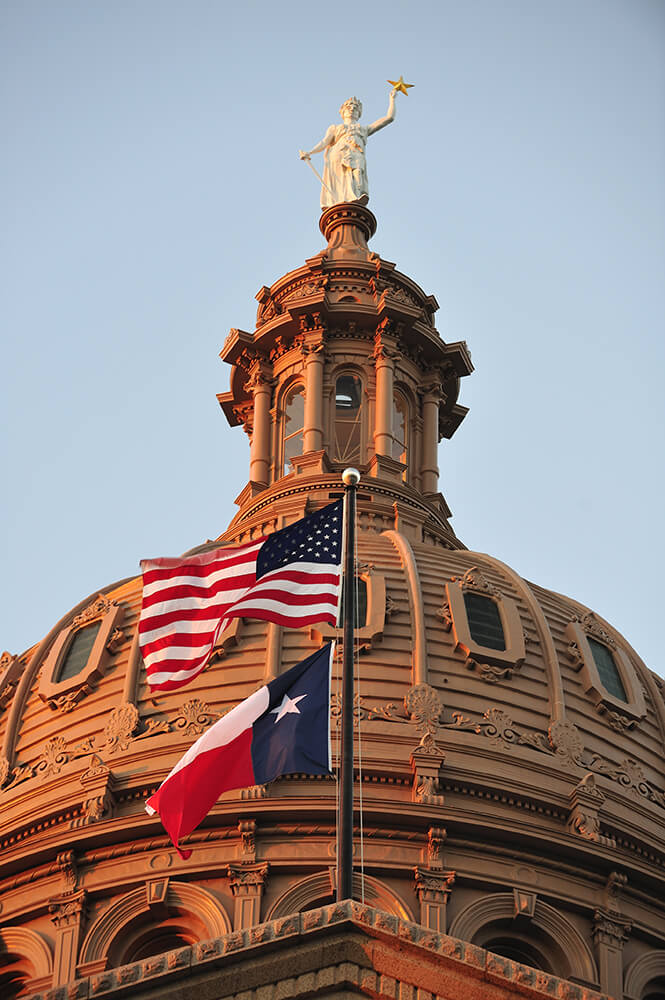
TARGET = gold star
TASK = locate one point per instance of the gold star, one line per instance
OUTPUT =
(400, 86)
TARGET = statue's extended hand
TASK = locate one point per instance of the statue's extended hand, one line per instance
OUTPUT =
(303, 155)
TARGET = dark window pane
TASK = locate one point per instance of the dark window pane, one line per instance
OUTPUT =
(484, 621)
(607, 669)
(294, 422)
(361, 603)
(78, 652)
(348, 409)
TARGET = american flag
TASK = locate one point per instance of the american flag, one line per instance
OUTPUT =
(291, 577)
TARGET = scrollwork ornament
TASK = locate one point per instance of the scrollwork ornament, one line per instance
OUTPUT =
(4, 771)
(194, 717)
(97, 609)
(444, 614)
(474, 580)
(574, 654)
(54, 757)
(592, 627)
(498, 727)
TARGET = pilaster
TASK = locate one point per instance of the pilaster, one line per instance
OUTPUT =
(247, 882)
(610, 930)
(433, 889)
(68, 913)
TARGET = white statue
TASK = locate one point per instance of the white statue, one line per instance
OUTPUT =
(343, 146)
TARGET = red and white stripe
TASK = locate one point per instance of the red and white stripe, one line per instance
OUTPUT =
(188, 602)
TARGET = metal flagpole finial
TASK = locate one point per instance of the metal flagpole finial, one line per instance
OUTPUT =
(350, 477)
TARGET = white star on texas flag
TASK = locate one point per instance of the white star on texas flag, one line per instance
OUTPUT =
(288, 705)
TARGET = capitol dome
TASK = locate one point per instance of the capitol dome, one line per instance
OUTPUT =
(511, 751)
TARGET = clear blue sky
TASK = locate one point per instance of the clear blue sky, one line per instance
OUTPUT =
(151, 186)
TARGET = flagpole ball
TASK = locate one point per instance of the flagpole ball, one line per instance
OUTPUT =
(350, 477)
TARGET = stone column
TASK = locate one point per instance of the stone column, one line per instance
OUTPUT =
(259, 456)
(247, 881)
(314, 356)
(68, 914)
(609, 933)
(384, 361)
(430, 464)
(433, 889)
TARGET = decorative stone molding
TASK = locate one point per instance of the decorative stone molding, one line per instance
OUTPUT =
(426, 762)
(120, 727)
(616, 883)
(110, 925)
(279, 955)
(53, 759)
(65, 694)
(491, 664)
(566, 741)
(424, 707)
(99, 785)
(642, 972)
(436, 838)
(194, 718)
(586, 800)
(621, 715)
(11, 669)
(247, 831)
(30, 946)
(609, 928)
(302, 894)
(247, 882)
(610, 931)
(68, 914)
(481, 918)
(66, 862)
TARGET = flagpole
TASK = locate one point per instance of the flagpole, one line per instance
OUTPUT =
(351, 478)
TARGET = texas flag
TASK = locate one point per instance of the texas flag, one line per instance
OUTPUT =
(283, 728)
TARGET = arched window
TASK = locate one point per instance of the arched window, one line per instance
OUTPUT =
(347, 431)
(400, 429)
(294, 426)
(78, 652)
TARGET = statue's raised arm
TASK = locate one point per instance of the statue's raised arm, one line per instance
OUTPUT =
(390, 115)
(343, 146)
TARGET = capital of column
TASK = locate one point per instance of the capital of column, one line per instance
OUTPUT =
(610, 928)
(69, 909)
(434, 883)
(247, 879)
(259, 376)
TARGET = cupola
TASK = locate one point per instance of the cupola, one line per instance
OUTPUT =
(345, 367)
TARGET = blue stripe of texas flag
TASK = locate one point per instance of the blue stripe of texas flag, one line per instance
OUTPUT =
(293, 735)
